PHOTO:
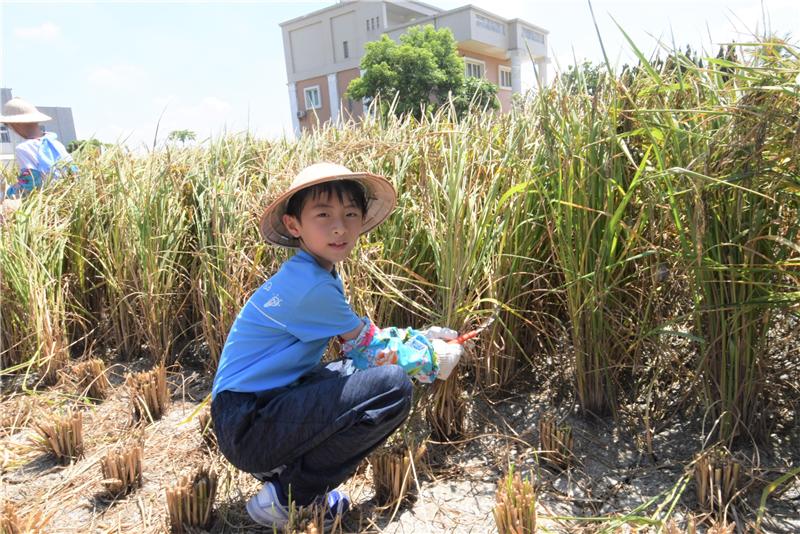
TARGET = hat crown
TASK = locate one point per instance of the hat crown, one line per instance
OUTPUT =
(314, 172)
(18, 110)
(17, 106)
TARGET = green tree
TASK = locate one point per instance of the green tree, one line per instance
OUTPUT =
(583, 78)
(182, 136)
(477, 94)
(91, 144)
(420, 71)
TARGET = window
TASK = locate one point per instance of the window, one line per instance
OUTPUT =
(313, 98)
(533, 35)
(474, 68)
(345, 49)
(505, 77)
(369, 24)
(490, 24)
(5, 136)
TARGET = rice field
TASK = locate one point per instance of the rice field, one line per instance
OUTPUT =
(638, 242)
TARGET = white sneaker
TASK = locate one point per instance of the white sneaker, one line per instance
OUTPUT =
(265, 509)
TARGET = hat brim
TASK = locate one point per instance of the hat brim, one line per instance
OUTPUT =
(33, 117)
(381, 200)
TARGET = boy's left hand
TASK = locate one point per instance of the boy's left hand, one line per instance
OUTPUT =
(448, 355)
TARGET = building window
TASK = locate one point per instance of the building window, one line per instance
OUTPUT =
(369, 24)
(533, 35)
(345, 49)
(377, 22)
(505, 77)
(490, 24)
(313, 98)
(474, 68)
(5, 136)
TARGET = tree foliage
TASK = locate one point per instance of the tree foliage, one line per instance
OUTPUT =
(476, 94)
(182, 135)
(419, 72)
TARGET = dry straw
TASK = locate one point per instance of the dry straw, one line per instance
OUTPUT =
(148, 392)
(122, 469)
(447, 410)
(515, 508)
(206, 429)
(392, 473)
(62, 436)
(12, 523)
(90, 376)
(717, 475)
(191, 500)
(555, 442)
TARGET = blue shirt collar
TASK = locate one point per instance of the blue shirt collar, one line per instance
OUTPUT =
(305, 256)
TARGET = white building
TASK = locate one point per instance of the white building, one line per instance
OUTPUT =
(323, 51)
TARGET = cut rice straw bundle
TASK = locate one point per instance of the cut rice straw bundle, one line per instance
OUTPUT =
(12, 523)
(122, 469)
(148, 392)
(62, 436)
(191, 500)
(515, 511)
(91, 379)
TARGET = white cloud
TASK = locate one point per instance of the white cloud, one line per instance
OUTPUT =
(117, 76)
(46, 31)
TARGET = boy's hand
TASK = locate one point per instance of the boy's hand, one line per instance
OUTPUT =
(448, 355)
(440, 332)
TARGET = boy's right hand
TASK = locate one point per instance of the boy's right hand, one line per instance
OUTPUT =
(440, 332)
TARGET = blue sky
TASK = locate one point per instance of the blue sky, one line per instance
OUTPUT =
(214, 67)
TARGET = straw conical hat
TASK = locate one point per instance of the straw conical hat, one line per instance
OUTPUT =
(17, 110)
(381, 199)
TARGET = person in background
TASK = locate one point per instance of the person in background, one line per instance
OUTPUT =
(41, 157)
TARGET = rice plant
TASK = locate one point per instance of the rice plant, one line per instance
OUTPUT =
(61, 436)
(393, 473)
(730, 205)
(91, 380)
(122, 469)
(149, 394)
(190, 502)
(207, 429)
(12, 522)
(515, 510)
(555, 442)
(718, 480)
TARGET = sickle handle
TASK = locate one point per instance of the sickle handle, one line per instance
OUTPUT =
(465, 337)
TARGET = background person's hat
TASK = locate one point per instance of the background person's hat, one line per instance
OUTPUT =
(17, 110)
(380, 193)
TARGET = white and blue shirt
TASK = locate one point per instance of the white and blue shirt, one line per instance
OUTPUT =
(284, 328)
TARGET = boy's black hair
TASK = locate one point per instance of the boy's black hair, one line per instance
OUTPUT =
(352, 188)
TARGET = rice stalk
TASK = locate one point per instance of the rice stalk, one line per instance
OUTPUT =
(32, 523)
(515, 508)
(190, 501)
(61, 436)
(447, 410)
(149, 394)
(122, 469)
(206, 426)
(91, 380)
(718, 480)
(392, 473)
(555, 442)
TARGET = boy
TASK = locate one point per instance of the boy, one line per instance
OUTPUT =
(40, 155)
(300, 426)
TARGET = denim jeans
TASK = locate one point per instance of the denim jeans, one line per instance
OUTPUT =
(320, 427)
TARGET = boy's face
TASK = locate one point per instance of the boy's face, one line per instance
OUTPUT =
(327, 228)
